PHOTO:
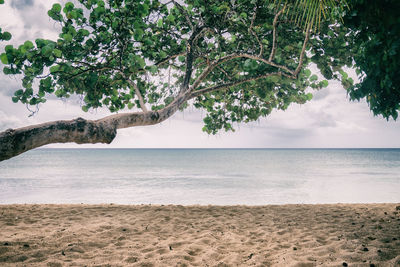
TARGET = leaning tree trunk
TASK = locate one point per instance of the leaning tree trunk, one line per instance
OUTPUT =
(80, 131)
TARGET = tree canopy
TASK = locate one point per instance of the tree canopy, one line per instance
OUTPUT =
(238, 60)
(375, 45)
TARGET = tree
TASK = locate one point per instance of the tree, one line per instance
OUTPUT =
(375, 26)
(238, 60)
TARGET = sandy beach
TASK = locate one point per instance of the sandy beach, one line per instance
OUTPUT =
(147, 235)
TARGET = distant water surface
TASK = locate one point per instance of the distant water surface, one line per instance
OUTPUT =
(202, 176)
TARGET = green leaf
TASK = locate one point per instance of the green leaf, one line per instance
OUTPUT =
(54, 68)
(324, 83)
(254, 65)
(85, 108)
(141, 62)
(171, 18)
(15, 99)
(67, 37)
(181, 58)
(307, 72)
(100, 3)
(28, 45)
(153, 69)
(137, 25)
(68, 7)
(247, 64)
(6, 36)
(19, 92)
(57, 53)
(56, 8)
(47, 51)
(3, 58)
(72, 15)
(344, 74)
(9, 49)
(313, 78)
(273, 79)
(168, 100)
(288, 48)
(84, 32)
(138, 35)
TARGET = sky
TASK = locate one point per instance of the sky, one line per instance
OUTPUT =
(330, 120)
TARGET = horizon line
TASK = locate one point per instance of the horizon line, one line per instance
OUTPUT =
(204, 148)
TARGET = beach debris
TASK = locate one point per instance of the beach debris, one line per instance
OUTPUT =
(22, 258)
(26, 245)
(250, 256)
(6, 244)
(63, 253)
(397, 207)
(132, 259)
(294, 248)
(365, 249)
(345, 264)
(170, 247)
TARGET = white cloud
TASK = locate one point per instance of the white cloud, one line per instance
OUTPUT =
(7, 121)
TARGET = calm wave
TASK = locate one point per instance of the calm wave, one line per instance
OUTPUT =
(202, 176)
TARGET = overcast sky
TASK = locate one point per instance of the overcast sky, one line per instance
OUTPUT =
(329, 120)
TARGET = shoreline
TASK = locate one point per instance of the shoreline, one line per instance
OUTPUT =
(208, 235)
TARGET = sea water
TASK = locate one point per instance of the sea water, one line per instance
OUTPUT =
(202, 176)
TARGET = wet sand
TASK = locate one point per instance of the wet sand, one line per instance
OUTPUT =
(147, 235)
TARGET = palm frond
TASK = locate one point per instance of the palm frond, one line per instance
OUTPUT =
(309, 14)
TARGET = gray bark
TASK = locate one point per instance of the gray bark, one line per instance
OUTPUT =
(16, 141)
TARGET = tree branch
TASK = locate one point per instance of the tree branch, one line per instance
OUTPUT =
(185, 13)
(80, 131)
(255, 35)
(138, 94)
(227, 85)
(272, 54)
(190, 56)
(213, 65)
(169, 58)
(224, 72)
(303, 50)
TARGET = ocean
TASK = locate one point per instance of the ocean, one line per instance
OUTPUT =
(202, 176)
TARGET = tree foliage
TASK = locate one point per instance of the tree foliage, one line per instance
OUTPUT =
(4, 36)
(375, 44)
(238, 60)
